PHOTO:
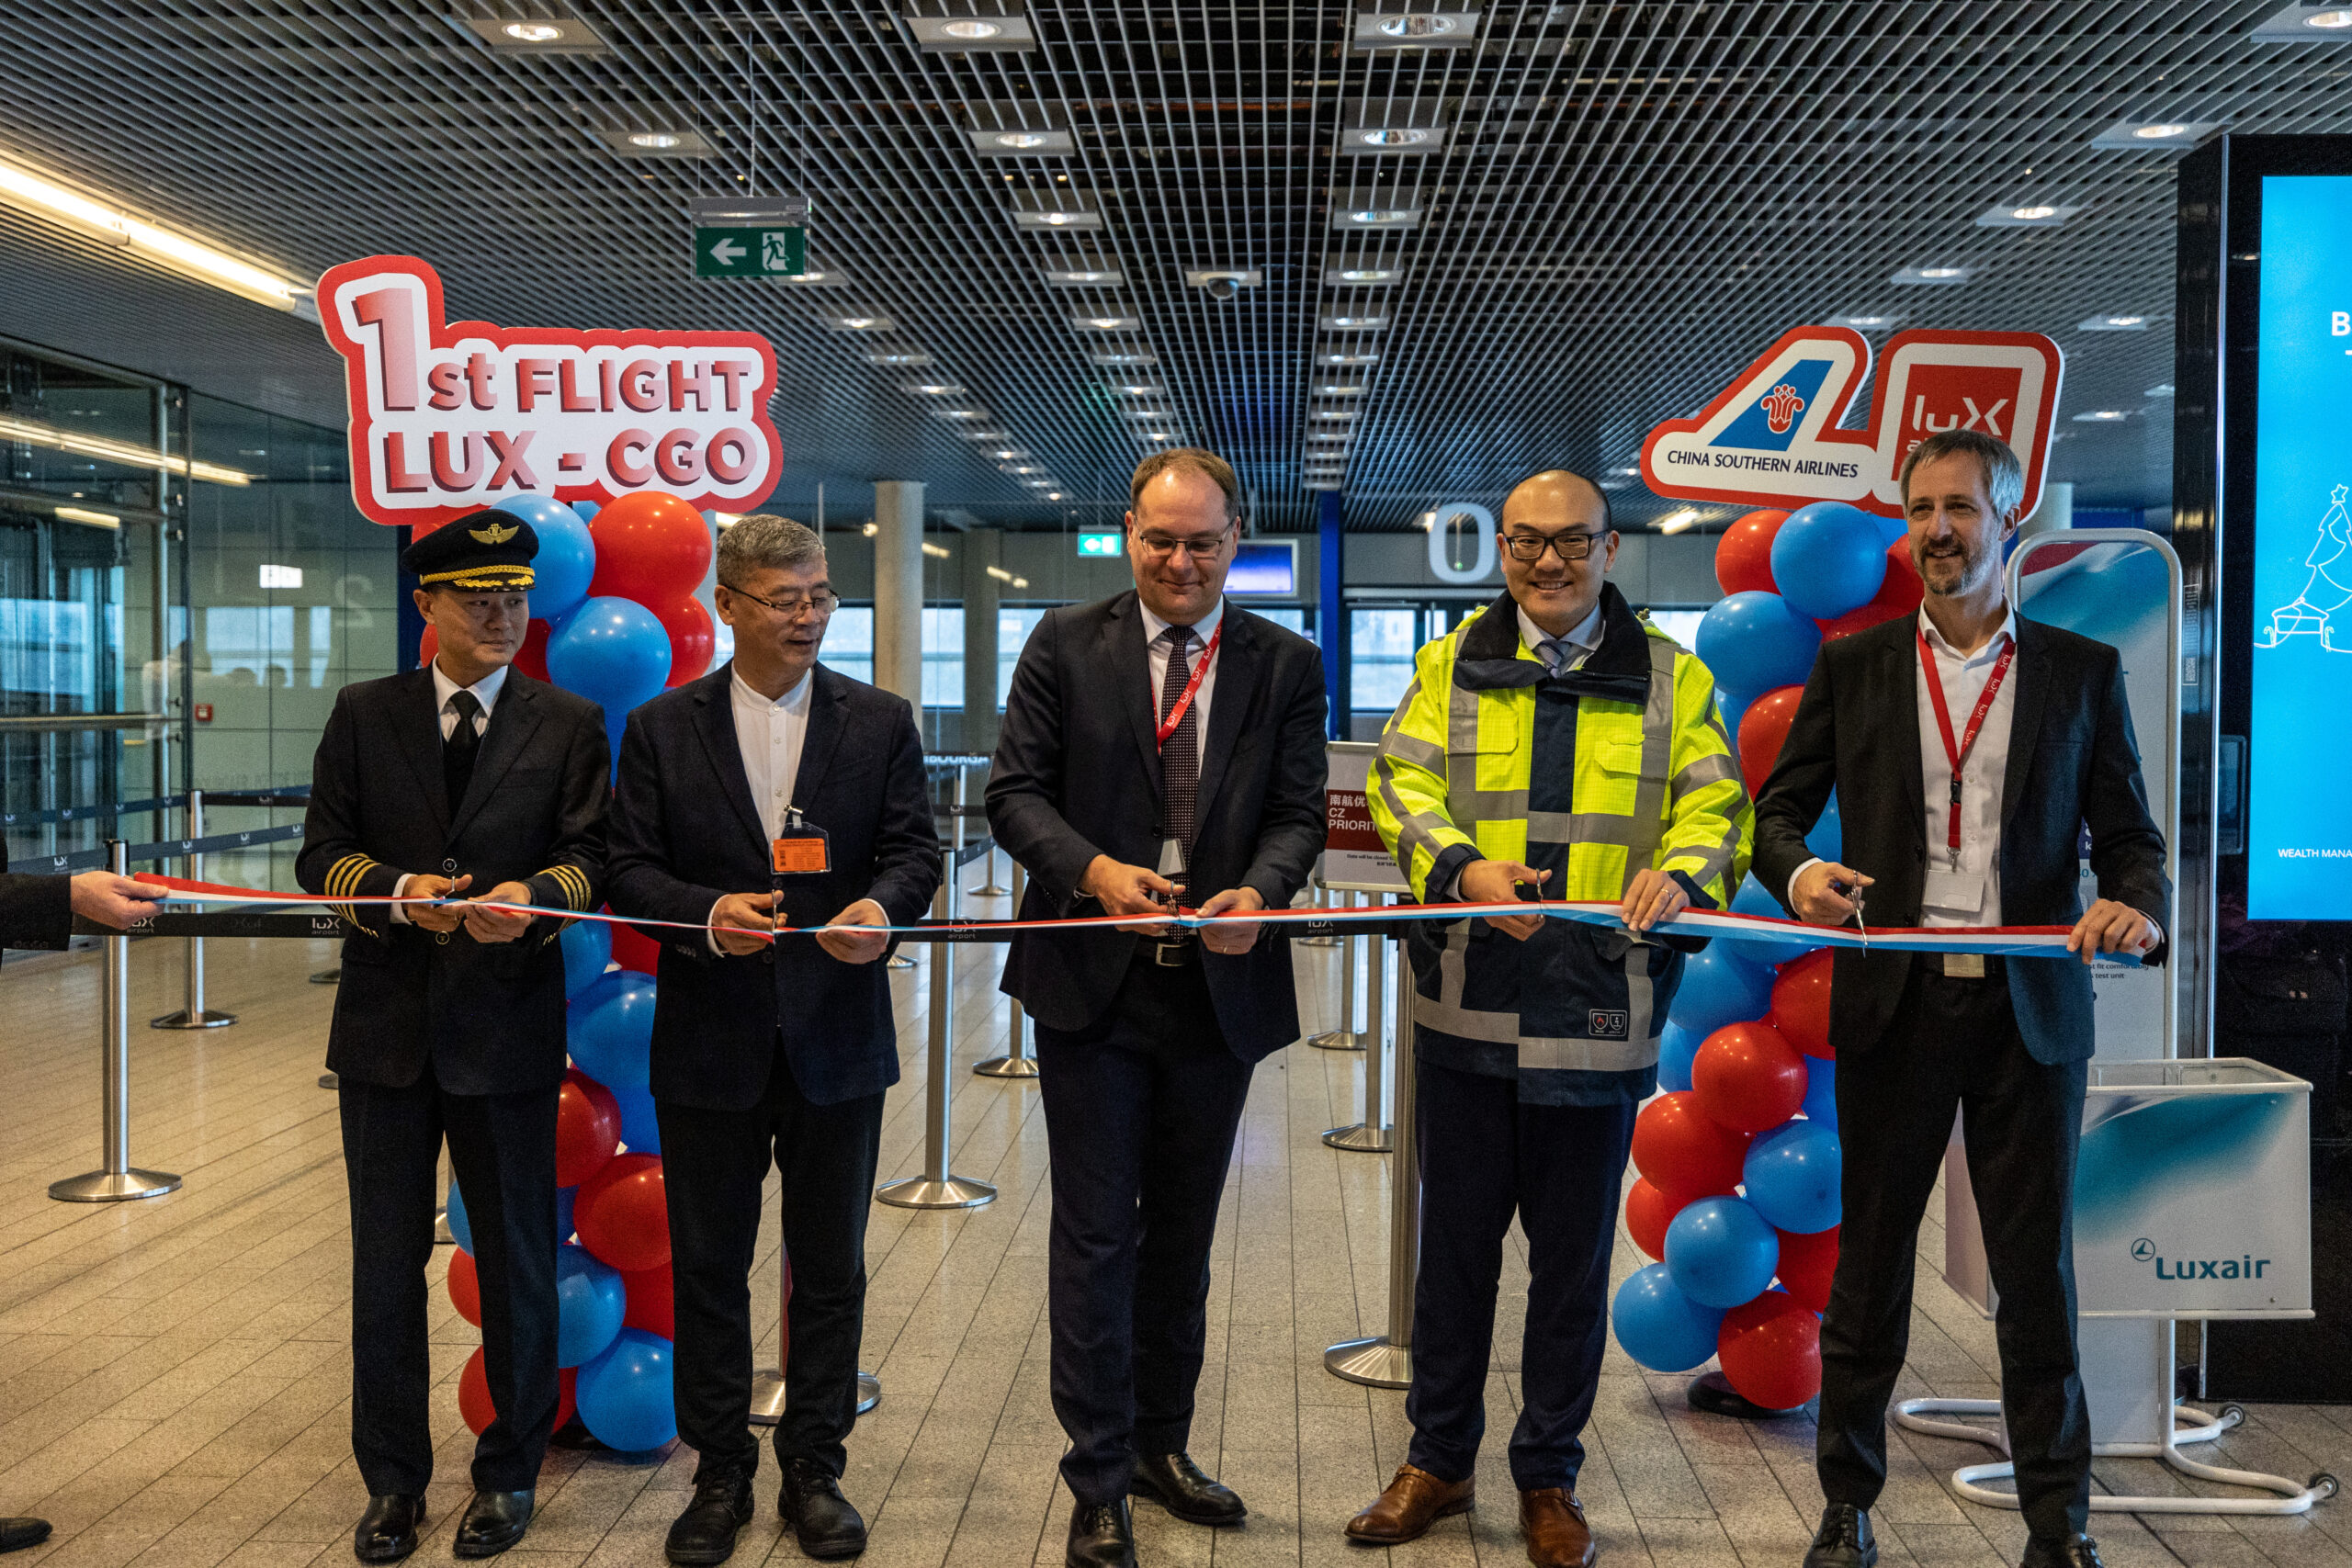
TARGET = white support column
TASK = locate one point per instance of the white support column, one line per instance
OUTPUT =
(898, 588)
(2056, 511)
(983, 548)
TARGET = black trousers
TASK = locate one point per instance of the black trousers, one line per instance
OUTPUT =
(502, 1148)
(1954, 1044)
(1483, 1157)
(1141, 1110)
(713, 1163)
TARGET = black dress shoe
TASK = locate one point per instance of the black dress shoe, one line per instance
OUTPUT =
(705, 1533)
(1186, 1490)
(387, 1530)
(493, 1521)
(1102, 1535)
(19, 1533)
(822, 1520)
(2077, 1550)
(1844, 1539)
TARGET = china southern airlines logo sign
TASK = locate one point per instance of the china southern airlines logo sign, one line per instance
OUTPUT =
(1774, 438)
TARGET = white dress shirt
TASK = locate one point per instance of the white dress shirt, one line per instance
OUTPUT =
(445, 691)
(768, 737)
(1584, 640)
(1156, 650)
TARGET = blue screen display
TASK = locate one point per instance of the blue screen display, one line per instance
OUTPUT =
(2299, 797)
(1264, 566)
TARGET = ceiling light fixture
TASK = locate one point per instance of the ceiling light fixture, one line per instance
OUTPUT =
(532, 32)
(1675, 521)
(2165, 135)
(1127, 356)
(2114, 323)
(969, 34)
(861, 323)
(1932, 275)
(124, 453)
(1377, 218)
(652, 139)
(1335, 414)
(1355, 323)
(1002, 130)
(95, 519)
(1050, 495)
(558, 29)
(659, 143)
(1389, 27)
(898, 356)
(961, 413)
(1106, 323)
(1077, 278)
(2329, 21)
(2100, 416)
(1140, 390)
(936, 552)
(1363, 276)
(1862, 324)
(936, 388)
(28, 192)
(1349, 358)
(1342, 389)
(2027, 215)
(2161, 390)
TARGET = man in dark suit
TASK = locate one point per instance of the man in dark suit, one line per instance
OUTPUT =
(462, 777)
(771, 1050)
(1120, 794)
(1968, 747)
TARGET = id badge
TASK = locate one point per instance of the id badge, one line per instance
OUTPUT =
(800, 850)
(1961, 892)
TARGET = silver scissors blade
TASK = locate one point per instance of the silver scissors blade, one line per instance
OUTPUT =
(1864, 929)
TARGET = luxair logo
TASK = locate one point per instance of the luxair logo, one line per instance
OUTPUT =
(1782, 406)
(2241, 1267)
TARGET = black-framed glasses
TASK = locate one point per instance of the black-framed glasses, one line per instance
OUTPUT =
(1570, 546)
(823, 603)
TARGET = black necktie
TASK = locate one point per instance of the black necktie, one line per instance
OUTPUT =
(457, 752)
(1179, 754)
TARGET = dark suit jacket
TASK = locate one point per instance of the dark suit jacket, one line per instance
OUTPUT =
(2072, 760)
(685, 831)
(35, 911)
(1077, 775)
(487, 1015)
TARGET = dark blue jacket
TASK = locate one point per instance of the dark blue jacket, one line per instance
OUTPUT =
(684, 831)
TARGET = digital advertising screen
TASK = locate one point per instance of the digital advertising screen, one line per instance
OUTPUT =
(2299, 772)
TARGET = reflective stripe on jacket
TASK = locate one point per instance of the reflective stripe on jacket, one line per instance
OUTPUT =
(1591, 776)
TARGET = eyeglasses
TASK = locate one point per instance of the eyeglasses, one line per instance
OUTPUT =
(1159, 547)
(824, 602)
(1571, 547)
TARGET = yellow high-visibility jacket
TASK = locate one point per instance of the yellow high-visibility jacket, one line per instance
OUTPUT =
(1590, 774)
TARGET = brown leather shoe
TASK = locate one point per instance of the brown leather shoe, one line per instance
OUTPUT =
(1414, 1501)
(1557, 1536)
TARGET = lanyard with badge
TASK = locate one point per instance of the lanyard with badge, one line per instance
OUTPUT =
(800, 849)
(1947, 889)
(1171, 853)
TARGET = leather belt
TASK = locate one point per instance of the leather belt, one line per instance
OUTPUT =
(1172, 953)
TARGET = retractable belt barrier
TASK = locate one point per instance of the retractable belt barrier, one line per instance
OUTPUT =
(297, 796)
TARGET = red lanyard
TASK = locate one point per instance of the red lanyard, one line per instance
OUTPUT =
(1167, 727)
(1957, 755)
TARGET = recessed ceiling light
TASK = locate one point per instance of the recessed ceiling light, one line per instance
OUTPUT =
(1410, 136)
(2161, 390)
(2032, 214)
(2116, 324)
(1160, 435)
(2156, 132)
(1050, 495)
(1082, 276)
(1130, 356)
(1377, 218)
(1009, 453)
(1026, 468)
(2165, 135)
(1862, 324)
(1342, 389)
(652, 139)
(2100, 416)
(972, 29)
(1349, 359)
(1156, 416)
(663, 142)
(1021, 140)
(961, 413)
(1008, 34)
(898, 356)
(2329, 21)
(869, 321)
(935, 388)
(1378, 28)
(1339, 435)
(2026, 215)
(1140, 390)
(1425, 26)
(559, 30)
(1335, 414)
(1675, 522)
(1930, 275)
(532, 32)
(1106, 323)
(1363, 276)
(1355, 323)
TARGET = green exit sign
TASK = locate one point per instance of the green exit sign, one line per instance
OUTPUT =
(734, 252)
(1101, 545)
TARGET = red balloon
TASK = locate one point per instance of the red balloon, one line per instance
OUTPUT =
(1801, 1004)
(475, 1404)
(465, 1286)
(632, 949)
(1647, 1213)
(1743, 554)
(427, 646)
(651, 547)
(691, 639)
(652, 1305)
(1762, 728)
(1898, 594)
(1748, 1078)
(623, 1215)
(1769, 1350)
(1684, 1153)
(587, 1128)
(1807, 1262)
(532, 659)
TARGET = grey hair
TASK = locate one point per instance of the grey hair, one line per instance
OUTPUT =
(764, 541)
(2004, 475)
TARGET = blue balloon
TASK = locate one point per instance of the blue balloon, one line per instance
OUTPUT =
(1675, 1048)
(587, 954)
(1754, 641)
(1828, 559)
(1889, 529)
(1720, 1252)
(640, 1132)
(459, 1226)
(1721, 986)
(1793, 1175)
(614, 652)
(624, 1394)
(1755, 899)
(1821, 1091)
(567, 556)
(610, 1030)
(566, 1200)
(591, 1299)
(587, 510)
(1659, 1326)
(1827, 838)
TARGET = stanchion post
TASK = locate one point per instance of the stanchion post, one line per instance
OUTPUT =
(937, 1187)
(991, 888)
(1345, 1037)
(956, 855)
(193, 1013)
(767, 1383)
(1016, 1063)
(1388, 1361)
(1371, 1136)
(119, 1180)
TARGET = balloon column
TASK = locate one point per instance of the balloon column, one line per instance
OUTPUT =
(615, 620)
(1738, 1157)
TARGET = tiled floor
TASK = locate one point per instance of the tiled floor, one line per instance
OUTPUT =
(173, 1378)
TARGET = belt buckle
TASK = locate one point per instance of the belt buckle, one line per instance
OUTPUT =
(1171, 953)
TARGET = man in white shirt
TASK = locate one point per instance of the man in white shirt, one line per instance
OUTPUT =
(771, 795)
(1969, 747)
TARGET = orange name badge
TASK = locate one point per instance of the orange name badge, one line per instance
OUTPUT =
(801, 854)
